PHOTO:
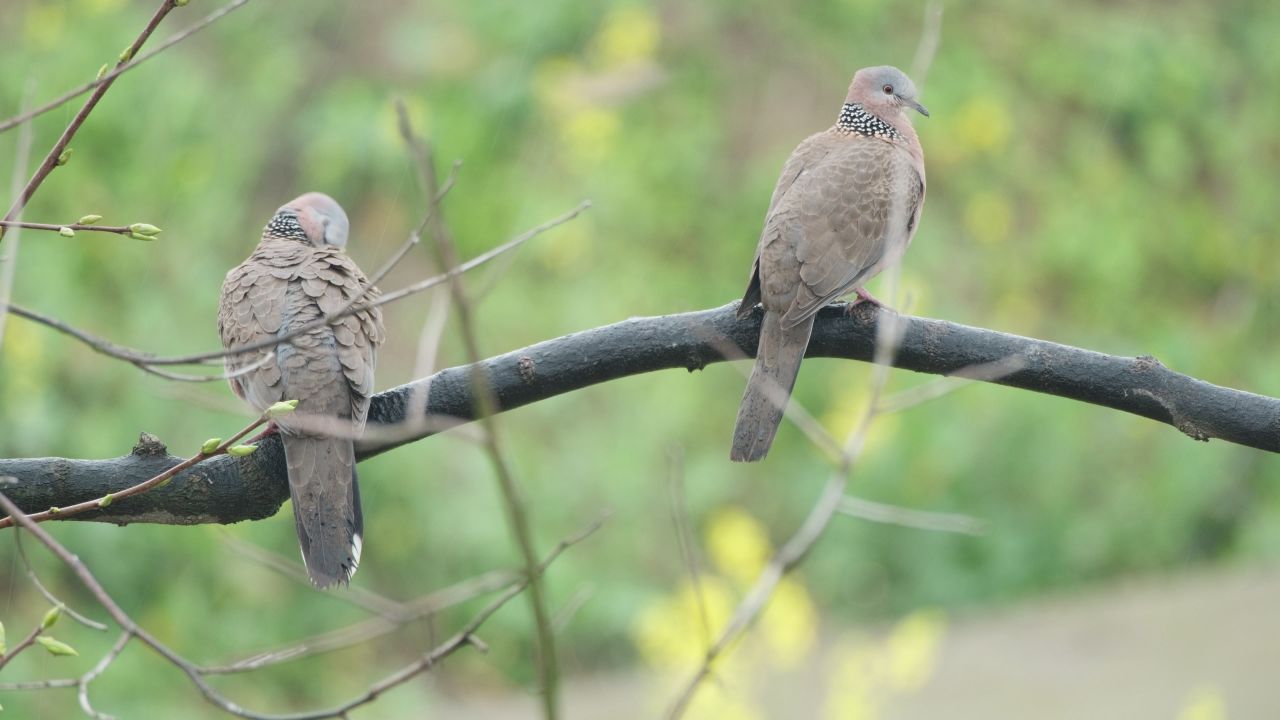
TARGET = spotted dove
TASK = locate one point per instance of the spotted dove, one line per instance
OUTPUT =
(845, 207)
(298, 274)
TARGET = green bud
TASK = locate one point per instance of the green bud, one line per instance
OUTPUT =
(102, 71)
(66, 232)
(164, 482)
(284, 407)
(65, 156)
(241, 450)
(126, 55)
(3, 648)
(210, 445)
(180, 3)
(56, 647)
(106, 500)
(88, 219)
(137, 236)
(55, 510)
(145, 229)
(51, 617)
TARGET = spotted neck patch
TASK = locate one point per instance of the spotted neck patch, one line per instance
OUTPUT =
(853, 119)
(285, 226)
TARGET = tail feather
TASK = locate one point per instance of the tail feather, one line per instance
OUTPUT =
(777, 363)
(326, 506)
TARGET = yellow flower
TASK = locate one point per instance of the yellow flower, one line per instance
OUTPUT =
(628, 34)
(675, 631)
(1204, 703)
(988, 217)
(789, 624)
(912, 649)
(738, 545)
(984, 124)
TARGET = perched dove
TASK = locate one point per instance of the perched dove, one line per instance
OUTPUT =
(846, 206)
(298, 274)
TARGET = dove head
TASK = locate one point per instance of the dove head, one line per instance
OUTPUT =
(314, 218)
(884, 91)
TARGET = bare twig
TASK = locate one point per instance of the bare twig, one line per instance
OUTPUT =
(82, 684)
(196, 674)
(75, 227)
(9, 253)
(56, 153)
(122, 68)
(927, 47)
(910, 517)
(486, 407)
(53, 600)
(684, 537)
(26, 642)
(149, 362)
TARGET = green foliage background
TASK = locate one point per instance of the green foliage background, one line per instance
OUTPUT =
(1100, 174)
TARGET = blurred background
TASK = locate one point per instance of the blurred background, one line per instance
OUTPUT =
(1100, 174)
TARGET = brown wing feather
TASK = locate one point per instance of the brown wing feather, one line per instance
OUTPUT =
(854, 216)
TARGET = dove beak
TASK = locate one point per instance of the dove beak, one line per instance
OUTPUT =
(918, 107)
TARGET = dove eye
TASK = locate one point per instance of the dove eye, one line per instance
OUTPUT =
(888, 89)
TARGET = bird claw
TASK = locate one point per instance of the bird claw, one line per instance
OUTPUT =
(862, 297)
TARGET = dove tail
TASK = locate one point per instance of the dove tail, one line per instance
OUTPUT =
(777, 363)
(326, 506)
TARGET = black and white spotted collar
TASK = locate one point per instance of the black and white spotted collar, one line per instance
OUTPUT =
(853, 119)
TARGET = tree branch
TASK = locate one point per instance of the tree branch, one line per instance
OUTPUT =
(226, 490)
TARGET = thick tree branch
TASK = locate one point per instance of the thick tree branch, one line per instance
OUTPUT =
(226, 489)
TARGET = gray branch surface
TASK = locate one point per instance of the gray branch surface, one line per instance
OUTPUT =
(226, 489)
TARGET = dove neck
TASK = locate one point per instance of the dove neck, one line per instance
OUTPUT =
(853, 119)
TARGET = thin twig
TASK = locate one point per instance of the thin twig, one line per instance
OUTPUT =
(27, 642)
(150, 361)
(76, 227)
(61, 100)
(9, 253)
(486, 408)
(56, 153)
(82, 689)
(911, 517)
(57, 513)
(53, 600)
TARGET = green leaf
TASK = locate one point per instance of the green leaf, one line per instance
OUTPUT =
(56, 647)
(51, 617)
(241, 450)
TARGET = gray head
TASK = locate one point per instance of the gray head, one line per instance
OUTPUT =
(884, 91)
(314, 218)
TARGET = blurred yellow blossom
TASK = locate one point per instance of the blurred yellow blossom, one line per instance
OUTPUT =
(44, 24)
(628, 34)
(672, 633)
(738, 545)
(983, 124)
(912, 649)
(1204, 703)
(988, 217)
(789, 625)
(715, 702)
